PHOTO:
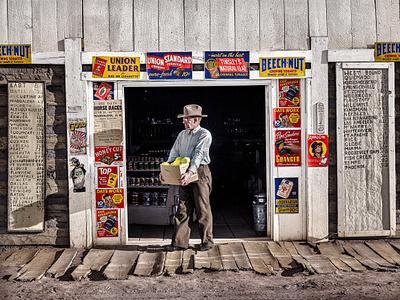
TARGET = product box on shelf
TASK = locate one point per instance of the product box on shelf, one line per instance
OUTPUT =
(171, 174)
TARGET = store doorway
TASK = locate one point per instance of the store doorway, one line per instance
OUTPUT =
(236, 119)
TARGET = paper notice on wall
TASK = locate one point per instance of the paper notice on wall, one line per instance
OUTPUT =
(107, 122)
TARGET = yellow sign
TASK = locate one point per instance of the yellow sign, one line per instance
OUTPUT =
(282, 66)
(387, 51)
(116, 67)
(287, 210)
(15, 54)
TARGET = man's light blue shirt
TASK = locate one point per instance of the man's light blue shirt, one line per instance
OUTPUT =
(194, 144)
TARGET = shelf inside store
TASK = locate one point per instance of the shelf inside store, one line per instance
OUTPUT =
(148, 186)
(142, 170)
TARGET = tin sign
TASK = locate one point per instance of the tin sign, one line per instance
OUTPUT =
(387, 51)
(282, 66)
(116, 67)
(289, 92)
(107, 223)
(227, 65)
(107, 177)
(317, 150)
(109, 198)
(287, 148)
(104, 91)
(286, 195)
(15, 54)
(108, 155)
(169, 65)
(286, 117)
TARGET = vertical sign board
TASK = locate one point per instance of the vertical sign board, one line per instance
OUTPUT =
(26, 161)
(365, 128)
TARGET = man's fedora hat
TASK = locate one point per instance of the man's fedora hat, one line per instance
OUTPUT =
(192, 110)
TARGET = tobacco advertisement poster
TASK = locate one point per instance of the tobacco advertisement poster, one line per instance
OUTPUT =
(108, 177)
(107, 122)
(109, 198)
(116, 67)
(77, 131)
(286, 118)
(107, 223)
(287, 148)
(227, 65)
(15, 54)
(169, 65)
(317, 150)
(108, 155)
(387, 51)
(103, 90)
(282, 66)
(289, 92)
(286, 195)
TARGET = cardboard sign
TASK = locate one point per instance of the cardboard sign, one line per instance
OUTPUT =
(282, 66)
(15, 54)
(288, 148)
(116, 67)
(387, 52)
(286, 117)
(109, 198)
(227, 65)
(107, 223)
(317, 145)
(169, 65)
(286, 196)
(289, 92)
(108, 154)
(107, 177)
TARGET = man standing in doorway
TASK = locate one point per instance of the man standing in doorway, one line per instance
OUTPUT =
(193, 142)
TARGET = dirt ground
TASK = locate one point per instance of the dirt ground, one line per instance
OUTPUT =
(213, 285)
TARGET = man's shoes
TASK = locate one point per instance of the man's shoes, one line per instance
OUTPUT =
(171, 248)
(205, 248)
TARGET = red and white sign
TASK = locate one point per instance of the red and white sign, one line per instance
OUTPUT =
(107, 177)
(108, 154)
(287, 148)
(109, 198)
(235, 65)
(107, 223)
(317, 150)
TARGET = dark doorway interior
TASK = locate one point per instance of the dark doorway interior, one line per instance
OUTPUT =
(236, 119)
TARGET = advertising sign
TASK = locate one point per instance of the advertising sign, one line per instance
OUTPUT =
(116, 67)
(317, 150)
(107, 122)
(108, 154)
(77, 136)
(107, 177)
(104, 91)
(107, 223)
(287, 148)
(286, 117)
(109, 198)
(282, 66)
(15, 54)
(286, 196)
(387, 51)
(227, 65)
(169, 65)
(289, 92)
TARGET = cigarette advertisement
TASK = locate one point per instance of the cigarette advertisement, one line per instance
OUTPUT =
(169, 65)
(77, 131)
(108, 155)
(103, 91)
(15, 54)
(387, 52)
(107, 122)
(108, 177)
(286, 195)
(286, 117)
(107, 223)
(289, 92)
(317, 145)
(282, 66)
(287, 148)
(227, 65)
(109, 198)
(116, 67)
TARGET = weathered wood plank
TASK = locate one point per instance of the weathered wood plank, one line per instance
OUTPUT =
(5, 254)
(296, 25)
(19, 22)
(247, 24)
(188, 261)
(93, 261)
(96, 20)
(215, 259)
(241, 258)
(121, 25)
(337, 250)
(3, 22)
(387, 21)
(173, 261)
(338, 14)
(172, 32)
(363, 260)
(365, 251)
(228, 260)
(122, 262)
(386, 251)
(327, 250)
(319, 263)
(37, 267)
(272, 27)
(297, 257)
(201, 260)
(284, 258)
(102, 259)
(63, 263)
(363, 23)
(150, 263)
(19, 258)
(256, 260)
(44, 33)
(69, 20)
(197, 25)
(317, 18)
(222, 16)
(267, 256)
(146, 37)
